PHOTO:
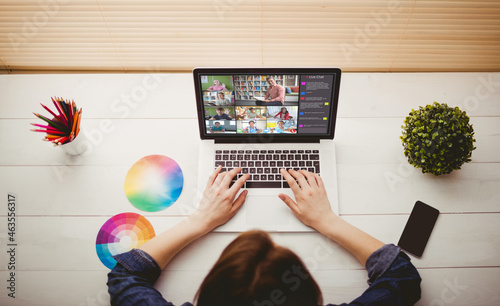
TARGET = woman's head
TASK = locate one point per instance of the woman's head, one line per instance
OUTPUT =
(220, 95)
(252, 270)
(216, 82)
(284, 110)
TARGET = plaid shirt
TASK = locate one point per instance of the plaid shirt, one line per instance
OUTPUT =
(392, 277)
(276, 93)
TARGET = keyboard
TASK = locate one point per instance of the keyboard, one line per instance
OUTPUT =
(264, 165)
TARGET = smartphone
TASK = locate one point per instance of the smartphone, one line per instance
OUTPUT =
(418, 228)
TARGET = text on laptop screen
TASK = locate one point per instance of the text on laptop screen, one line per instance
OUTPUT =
(284, 104)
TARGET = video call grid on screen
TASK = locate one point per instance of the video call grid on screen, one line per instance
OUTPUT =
(301, 103)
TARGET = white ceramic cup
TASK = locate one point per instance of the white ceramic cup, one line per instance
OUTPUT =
(78, 146)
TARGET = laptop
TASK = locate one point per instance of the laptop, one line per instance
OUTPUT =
(264, 119)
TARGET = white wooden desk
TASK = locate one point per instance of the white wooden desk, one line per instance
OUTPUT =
(62, 202)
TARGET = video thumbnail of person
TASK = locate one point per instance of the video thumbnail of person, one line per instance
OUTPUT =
(219, 113)
(221, 126)
(216, 83)
(280, 126)
(251, 126)
(250, 112)
(218, 98)
(254, 89)
(282, 112)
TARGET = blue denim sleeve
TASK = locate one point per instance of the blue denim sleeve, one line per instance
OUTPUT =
(392, 278)
(131, 282)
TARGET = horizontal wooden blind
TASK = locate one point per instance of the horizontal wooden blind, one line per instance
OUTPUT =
(142, 35)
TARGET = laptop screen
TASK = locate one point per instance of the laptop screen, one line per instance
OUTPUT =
(274, 103)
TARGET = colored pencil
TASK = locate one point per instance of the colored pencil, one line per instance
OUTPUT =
(75, 121)
(52, 137)
(60, 110)
(48, 109)
(64, 111)
(52, 123)
(78, 123)
(61, 140)
(43, 126)
(70, 111)
(49, 131)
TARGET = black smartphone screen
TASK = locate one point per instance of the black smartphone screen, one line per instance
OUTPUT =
(418, 228)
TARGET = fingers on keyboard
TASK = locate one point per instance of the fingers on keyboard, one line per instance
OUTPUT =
(264, 165)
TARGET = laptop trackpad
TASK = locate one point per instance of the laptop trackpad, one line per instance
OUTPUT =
(266, 210)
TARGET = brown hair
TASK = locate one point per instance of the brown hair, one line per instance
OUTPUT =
(252, 270)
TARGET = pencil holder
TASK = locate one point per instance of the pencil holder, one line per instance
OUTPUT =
(78, 146)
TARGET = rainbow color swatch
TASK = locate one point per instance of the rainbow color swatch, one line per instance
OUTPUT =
(154, 183)
(121, 233)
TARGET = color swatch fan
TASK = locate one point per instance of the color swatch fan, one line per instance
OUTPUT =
(121, 233)
(154, 183)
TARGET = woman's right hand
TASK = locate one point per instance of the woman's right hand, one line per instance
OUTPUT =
(312, 207)
(220, 202)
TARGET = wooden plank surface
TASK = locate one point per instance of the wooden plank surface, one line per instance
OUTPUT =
(56, 243)
(63, 201)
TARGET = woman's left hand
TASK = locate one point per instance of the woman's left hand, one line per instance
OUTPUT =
(218, 204)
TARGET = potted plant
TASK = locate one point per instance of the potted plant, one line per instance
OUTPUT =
(438, 138)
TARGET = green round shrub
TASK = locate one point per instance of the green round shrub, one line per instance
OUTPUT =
(438, 138)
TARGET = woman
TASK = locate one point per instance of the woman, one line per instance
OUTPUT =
(253, 270)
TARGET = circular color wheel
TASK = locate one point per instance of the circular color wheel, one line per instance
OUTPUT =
(121, 233)
(154, 183)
